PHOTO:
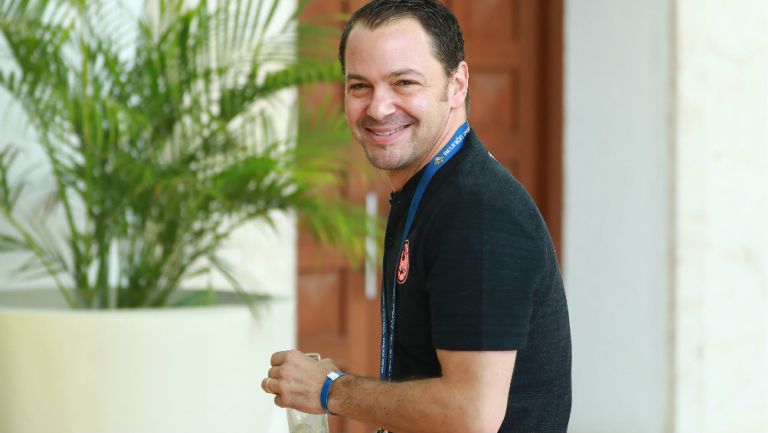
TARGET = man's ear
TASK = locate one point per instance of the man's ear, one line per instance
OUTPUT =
(459, 85)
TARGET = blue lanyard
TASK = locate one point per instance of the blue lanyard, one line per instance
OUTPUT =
(388, 329)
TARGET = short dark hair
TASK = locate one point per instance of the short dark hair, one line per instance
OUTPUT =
(437, 20)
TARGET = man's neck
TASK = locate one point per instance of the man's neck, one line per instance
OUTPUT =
(398, 178)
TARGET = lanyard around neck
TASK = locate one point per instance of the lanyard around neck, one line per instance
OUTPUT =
(388, 326)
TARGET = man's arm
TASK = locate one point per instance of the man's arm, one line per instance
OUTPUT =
(471, 396)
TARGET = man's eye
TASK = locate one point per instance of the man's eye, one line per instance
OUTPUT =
(406, 83)
(357, 86)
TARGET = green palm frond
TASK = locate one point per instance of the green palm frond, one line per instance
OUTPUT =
(162, 139)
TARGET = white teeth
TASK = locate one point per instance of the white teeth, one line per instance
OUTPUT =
(386, 133)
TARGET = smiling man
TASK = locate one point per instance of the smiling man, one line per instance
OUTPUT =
(474, 317)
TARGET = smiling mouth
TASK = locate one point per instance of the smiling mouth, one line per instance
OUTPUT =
(388, 132)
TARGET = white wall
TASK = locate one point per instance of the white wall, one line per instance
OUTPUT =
(666, 205)
(616, 249)
(721, 314)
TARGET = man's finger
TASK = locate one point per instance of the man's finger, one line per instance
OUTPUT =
(291, 355)
(270, 385)
(264, 385)
(278, 358)
(274, 372)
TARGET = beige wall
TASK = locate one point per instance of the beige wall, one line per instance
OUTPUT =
(721, 272)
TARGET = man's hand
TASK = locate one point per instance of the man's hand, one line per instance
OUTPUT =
(470, 396)
(296, 380)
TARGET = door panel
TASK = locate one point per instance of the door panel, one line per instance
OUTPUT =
(502, 46)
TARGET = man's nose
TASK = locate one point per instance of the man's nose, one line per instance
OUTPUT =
(382, 105)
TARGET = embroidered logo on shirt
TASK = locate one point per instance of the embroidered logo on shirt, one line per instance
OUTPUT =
(402, 266)
(439, 160)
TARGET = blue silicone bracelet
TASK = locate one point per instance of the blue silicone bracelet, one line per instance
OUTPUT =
(326, 388)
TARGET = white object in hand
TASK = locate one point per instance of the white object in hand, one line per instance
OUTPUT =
(300, 422)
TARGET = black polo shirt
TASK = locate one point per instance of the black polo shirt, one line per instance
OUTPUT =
(481, 274)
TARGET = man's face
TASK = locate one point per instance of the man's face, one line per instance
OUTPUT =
(396, 97)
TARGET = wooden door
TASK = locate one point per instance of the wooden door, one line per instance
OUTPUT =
(514, 52)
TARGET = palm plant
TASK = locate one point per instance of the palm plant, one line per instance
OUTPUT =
(161, 139)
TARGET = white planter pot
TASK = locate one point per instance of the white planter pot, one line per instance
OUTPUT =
(139, 371)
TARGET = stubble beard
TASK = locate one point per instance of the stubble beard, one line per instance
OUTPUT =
(394, 157)
(391, 162)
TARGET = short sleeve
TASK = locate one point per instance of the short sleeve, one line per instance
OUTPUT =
(481, 276)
